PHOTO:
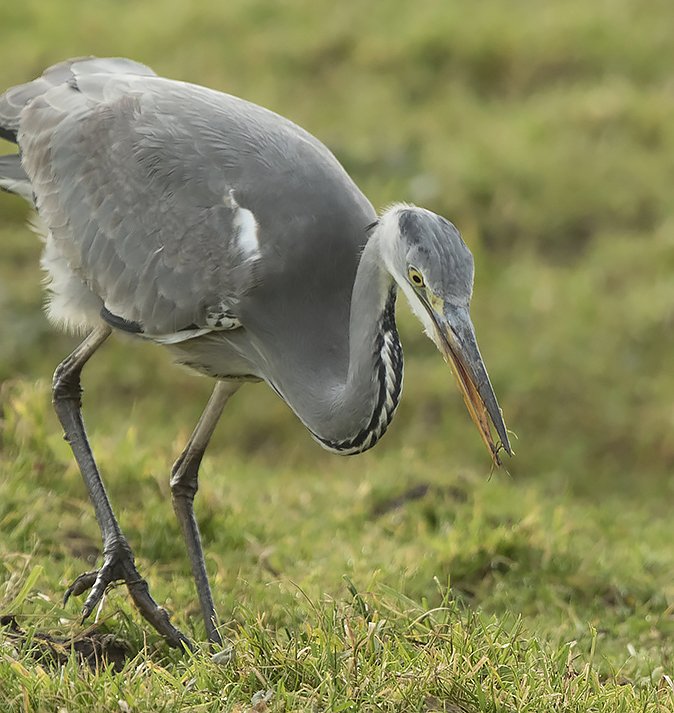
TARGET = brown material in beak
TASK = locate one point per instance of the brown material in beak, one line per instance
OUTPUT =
(476, 406)
(456, 339)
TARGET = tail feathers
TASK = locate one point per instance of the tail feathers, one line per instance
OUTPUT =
(13, 178)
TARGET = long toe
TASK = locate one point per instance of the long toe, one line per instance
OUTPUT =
(106, 575)
(156, 615)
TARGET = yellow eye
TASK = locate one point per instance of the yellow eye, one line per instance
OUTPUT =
(416, 278)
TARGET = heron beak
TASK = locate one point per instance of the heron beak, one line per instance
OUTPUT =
(456, 340)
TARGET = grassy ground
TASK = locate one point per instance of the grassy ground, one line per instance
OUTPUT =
(406, 578)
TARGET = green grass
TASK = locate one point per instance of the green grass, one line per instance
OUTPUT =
(550, 600)
(545, 131)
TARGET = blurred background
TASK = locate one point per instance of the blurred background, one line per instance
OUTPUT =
(544, 131)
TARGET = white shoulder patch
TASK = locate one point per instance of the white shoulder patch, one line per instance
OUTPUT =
(246, 226)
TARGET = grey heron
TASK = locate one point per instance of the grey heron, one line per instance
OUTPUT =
(234, 238)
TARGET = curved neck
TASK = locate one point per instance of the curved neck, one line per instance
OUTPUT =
(358, 411)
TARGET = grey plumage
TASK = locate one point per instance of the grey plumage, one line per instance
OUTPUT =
(236, 239)
(13, 178)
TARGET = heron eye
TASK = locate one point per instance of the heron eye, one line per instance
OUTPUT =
(416, 278)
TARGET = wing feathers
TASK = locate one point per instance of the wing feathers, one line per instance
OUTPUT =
(124, 191)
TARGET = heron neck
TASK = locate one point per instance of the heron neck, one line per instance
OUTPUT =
(363, 406)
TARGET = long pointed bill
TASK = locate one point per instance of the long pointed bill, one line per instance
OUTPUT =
(457, 342)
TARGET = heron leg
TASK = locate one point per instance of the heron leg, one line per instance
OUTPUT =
(184, 486)
(118, 559)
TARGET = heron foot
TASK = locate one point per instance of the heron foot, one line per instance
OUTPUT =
(119, 566)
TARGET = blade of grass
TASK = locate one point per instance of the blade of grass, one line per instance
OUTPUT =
(32, 578)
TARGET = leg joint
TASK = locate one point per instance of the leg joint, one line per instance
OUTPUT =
(66, 383)
(184, 477)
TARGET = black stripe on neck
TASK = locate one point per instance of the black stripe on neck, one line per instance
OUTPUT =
(388, 356)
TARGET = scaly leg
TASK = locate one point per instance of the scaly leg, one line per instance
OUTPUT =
(118, 560)
(184, 485)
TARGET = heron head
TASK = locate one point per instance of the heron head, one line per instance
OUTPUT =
(427, 257)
